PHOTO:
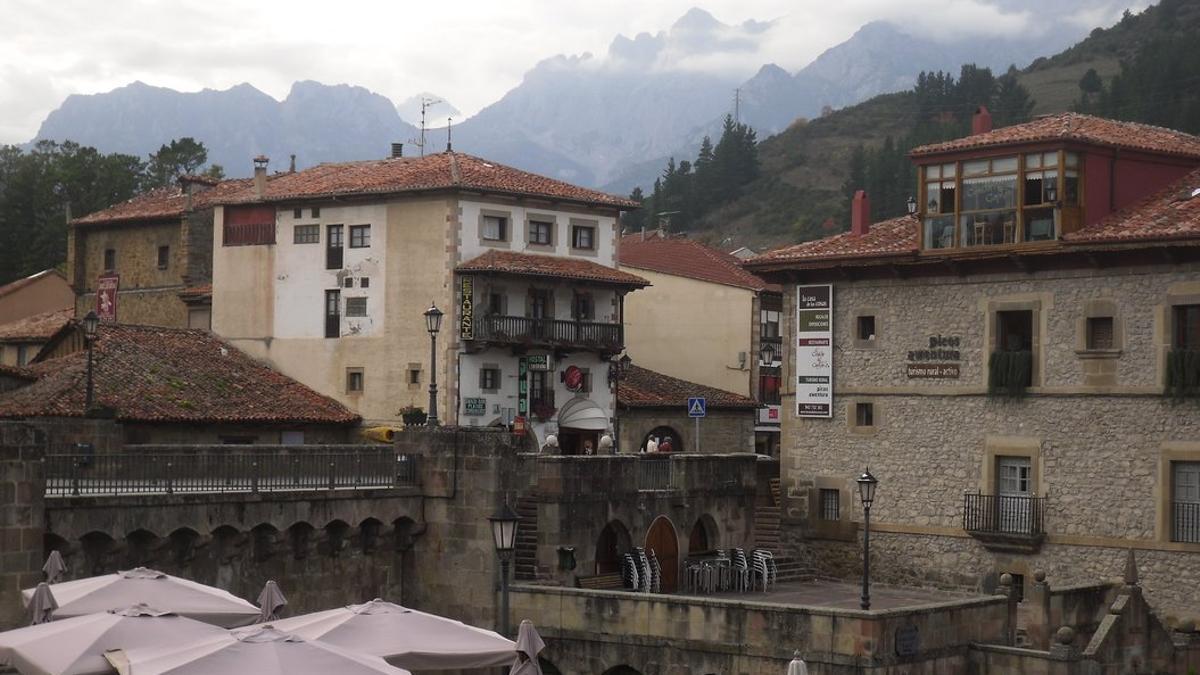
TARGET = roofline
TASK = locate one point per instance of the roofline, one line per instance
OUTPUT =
(18, 284)
(607, 282)
(618, 204)
(760, 289)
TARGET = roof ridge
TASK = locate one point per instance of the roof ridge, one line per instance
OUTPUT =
(455, 171)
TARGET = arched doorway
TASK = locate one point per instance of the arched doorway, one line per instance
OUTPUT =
(665, 544)
(662, 434)
(580, 423)
(703, 537)
(613, 543)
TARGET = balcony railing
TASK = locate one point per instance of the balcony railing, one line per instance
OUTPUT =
(553, 332)
(1185, 522)
(233, 472)
(1005, 522)
(1010, 373)
(655, 473)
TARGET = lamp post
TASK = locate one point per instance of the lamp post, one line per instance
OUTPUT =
(866, 492)
(91, 322)
(616, 372)
(504, 536)
(766, 354)
(433, 323)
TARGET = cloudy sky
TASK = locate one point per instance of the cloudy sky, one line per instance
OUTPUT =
(470, 52)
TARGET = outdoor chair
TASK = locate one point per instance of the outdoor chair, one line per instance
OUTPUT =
(764, 567)
(655, 573)
(740, 570)
(629, 572)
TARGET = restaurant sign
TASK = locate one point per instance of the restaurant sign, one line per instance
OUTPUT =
(106, 296)
(814, 351)
(474, 407)
(466, 326)
(539, 362)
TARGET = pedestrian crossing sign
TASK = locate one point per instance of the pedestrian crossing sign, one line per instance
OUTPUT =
(697, 406)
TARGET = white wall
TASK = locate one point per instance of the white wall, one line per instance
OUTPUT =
(472, 245)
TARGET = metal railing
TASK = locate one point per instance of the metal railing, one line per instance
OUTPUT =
(1185, 522)
(1004, 514)
(549, 331)
(137, 474)
(655, 473)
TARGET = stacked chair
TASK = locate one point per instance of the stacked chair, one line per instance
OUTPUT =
(764, 568)
(655, 574)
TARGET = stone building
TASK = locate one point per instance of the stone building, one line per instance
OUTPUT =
(706, 319)
(1016, 363)
(651, 404)
(152, 255)
(21, 340)
(327, 273)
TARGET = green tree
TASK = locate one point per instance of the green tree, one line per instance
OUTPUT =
(1091, 83)
(180, 156)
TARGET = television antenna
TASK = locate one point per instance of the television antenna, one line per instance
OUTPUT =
(427, 102)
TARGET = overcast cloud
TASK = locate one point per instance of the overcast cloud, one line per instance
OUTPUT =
(469, 52)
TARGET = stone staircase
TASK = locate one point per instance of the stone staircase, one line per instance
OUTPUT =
(766, 535)
(525, 554)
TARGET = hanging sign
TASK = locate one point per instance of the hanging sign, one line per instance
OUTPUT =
(573, 378)
(814, 351)
(466, 326)
(106, 296)
(539, 362)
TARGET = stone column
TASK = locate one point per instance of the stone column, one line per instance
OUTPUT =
(22, 517)
(1038, 616)
(1010, 616)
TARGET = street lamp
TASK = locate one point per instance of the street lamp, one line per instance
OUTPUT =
(766, 354)
(866, 492)
(91, 322)
(433, 323)
(617, 370)
(504, 536)
(912, 205)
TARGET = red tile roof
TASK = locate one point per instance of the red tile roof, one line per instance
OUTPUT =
(1070, 126)
(36, 328)
(18, 372)
(442, 171)
(555, 267)
(644, 388)
(895, 237)
(163, 203)
(14, 286)
(1168, 214)
(688, 258)
(152, 374)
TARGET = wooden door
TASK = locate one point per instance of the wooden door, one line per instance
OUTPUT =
(665, 543)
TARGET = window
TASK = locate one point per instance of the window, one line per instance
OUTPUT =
(354, 380)
(110, 259)
(22, 354)
(866, 328)
(413, 376)
(348, 282)
(769, 324)
(1185, 501)
(164, 257)
(316, 212)
(333, 247)
(291, 437)
(1010, 366)
(496, 303)
(540, 304)
(541, 232)
(333, 316)
(768, 385)
(360, 236)
(489, 378)
(831, 504)
(1100, 332)
(356, 306)
(864, 414)
(297, 213)
(364, 282)
(539, 389)
(585, 307)
(583, 236)
(1187, 327)
(495, 228)
(306, 234)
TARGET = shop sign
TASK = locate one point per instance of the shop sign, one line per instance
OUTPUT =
(474, 407)
(814, 351)
(939, 361)
(466, 326)
(539, 362)
(106, 296)
(573, 378)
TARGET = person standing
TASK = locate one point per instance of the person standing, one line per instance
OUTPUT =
(666, 445)
(651, 445)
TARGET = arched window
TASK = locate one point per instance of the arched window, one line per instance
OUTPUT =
(613, 543)
(704, 536)
(662, 434)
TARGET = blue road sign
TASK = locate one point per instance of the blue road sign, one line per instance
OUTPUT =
(697, 406)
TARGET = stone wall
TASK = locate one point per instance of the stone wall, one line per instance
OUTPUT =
(721, 431)
(1099, 443)
(21, 518)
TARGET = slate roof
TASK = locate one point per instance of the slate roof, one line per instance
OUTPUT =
(554, 267)
(39, 327)
(1071, 126)
(1168, 214)
(441, 171)
(897, 236)
(14, 286)
(688, 258)
(645, 388)
(170, 375)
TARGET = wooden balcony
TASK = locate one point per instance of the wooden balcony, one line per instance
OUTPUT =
(1011, 523)
(549, 333)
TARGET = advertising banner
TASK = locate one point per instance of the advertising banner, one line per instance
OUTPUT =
(106, 296)
(814, 351)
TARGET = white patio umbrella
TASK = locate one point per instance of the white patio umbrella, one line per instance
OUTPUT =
(165, 592)
(404, 637)
(258, 650)
(529, 645)
(797, 665)
(54, 567)
(270, 601)
(76, 646)
(41, 604)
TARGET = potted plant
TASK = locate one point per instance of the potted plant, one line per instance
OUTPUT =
(413, 416)
(543, 410)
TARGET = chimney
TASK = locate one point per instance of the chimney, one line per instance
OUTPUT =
(260, 175)
(981, 121)
(292, 165)
(860, 214)
(397, 150)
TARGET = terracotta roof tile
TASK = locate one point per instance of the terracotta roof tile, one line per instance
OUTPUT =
(644, 388)
(152, 374)
(1170, 213)
(163, 203)
(13, 286)
(18, 372)
(688, 258)
(39, 327)
(1070, 126)
(442, 171)
(557, 267)
(897, 236)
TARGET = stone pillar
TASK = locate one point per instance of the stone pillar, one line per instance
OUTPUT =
(1010, 615)
(22, 517)
(1038, 620)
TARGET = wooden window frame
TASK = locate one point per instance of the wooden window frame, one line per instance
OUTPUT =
(359, 303)
(360, 234)
(306, 234)
(164, 257)
(355, 376)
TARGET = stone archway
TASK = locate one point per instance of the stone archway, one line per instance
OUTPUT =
(704, 536)
(663, 539)
(662, 433)
(614, 541)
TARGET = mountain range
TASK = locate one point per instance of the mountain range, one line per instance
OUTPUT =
(609, 121)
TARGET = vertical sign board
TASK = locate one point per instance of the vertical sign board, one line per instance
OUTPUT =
(466, 326)
(814, 351)
(106, 296)
(522, 386)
